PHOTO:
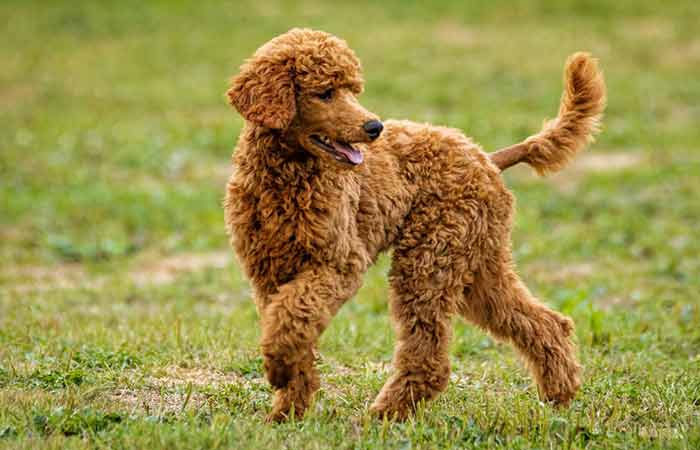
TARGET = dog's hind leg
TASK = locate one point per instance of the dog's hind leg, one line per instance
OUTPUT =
(500, 303)
(293, 318)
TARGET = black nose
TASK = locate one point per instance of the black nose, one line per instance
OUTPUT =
(373, 128)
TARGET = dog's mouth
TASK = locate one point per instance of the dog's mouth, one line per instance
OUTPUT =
(341, 151)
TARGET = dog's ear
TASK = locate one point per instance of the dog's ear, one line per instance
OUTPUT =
(263, 92)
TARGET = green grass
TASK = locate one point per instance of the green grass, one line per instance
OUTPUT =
(125, 323)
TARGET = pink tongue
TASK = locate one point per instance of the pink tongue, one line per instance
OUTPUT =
(353, 155)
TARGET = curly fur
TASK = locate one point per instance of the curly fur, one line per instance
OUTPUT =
(580, 112)
(306, 227)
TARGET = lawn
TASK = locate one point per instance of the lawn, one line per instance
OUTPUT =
(125, 322)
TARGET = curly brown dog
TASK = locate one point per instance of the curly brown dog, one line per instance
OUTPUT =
(321, 187)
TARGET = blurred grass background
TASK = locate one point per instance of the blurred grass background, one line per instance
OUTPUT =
(124, 321)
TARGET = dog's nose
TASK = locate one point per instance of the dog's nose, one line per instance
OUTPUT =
(373, 128)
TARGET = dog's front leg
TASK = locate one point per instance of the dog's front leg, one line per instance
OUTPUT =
(292, 321)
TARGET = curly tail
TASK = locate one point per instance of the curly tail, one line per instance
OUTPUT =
(580, 112)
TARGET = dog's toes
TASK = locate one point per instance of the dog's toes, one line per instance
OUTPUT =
(287, 404)
(561, 392)
(279, 415)
(559, 399)
(276, 417)
(384, 411)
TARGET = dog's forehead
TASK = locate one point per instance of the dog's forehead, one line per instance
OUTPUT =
(319, 59)
(318, 76)
(323, 63)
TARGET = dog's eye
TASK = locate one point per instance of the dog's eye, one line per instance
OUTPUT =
(326, 95)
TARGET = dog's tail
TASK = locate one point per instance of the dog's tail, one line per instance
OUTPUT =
(580, 112)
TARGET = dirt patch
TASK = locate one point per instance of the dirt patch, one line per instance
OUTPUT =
(25, 398)
(174, 376)
(155, 402)
(682, 55)
(617, 302)
(173, 389)
(166, 269)
(156, 271)
(334, 367)
(607, 162)
(583, 165)
(24, 279)
(14, 96)
(648, 29)
(568, 179)
(454, 34)
(13, 233)
(563, 272)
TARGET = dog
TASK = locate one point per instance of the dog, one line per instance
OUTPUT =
(320, 187)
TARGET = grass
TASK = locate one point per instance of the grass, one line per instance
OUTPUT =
(124, 322)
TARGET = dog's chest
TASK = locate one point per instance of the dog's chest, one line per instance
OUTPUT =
(315, 215)
(281, 228)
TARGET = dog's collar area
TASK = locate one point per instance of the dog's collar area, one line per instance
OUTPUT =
(341, 151)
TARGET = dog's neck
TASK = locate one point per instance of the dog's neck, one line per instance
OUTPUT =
(271, 156)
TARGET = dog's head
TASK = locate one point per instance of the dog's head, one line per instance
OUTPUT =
(305, 83)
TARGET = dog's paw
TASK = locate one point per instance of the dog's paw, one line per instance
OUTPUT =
(389, 411)
(277, 416)
(561, 392)
(288, 402)
(562, 382)
(391, 404)
(560, 398)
